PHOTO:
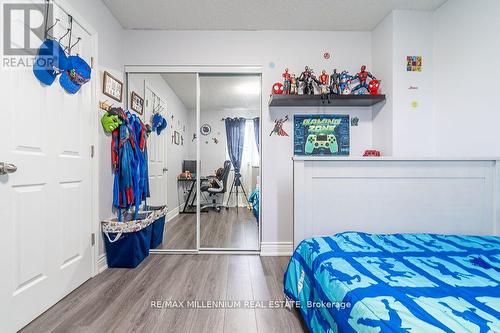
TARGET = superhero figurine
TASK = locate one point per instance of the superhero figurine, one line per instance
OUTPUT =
(294, 85)
(286, 82)
(344, 82)
(307, 78)
(323, 86)
(373, 86)
(362, 76)
(334, 82)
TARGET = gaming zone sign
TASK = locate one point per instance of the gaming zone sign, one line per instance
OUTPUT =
(24, 29)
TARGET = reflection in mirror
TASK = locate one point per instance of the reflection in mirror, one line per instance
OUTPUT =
(171, 149)
(229, 161)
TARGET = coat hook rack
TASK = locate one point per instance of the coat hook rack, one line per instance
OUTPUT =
(72, 46)
(105, 106)
(50, 28)
(46, 20)
(61, 38)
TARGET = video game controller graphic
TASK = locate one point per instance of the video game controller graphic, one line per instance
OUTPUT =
(317, 141)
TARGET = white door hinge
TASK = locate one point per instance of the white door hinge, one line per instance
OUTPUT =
(92, 239)
(92, 151)
(92, 62)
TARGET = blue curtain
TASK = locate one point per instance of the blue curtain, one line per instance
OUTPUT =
(256, 131)
(235, 134)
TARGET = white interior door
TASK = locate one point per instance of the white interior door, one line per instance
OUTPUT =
(157, 152)
(46, 205)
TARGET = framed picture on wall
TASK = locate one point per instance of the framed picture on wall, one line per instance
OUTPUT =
(176, 138)
(112, 87)
(325, 134)
(137, 103)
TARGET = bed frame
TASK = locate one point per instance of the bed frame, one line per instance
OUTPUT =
(395, 195)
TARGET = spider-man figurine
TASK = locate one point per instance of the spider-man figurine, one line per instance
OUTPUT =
(362, 76)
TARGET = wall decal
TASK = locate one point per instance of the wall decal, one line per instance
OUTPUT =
(354, 121)
(326, 55)
(216, 141)
(414, 63)
(278, 127)
(194, 137)
(414, 104)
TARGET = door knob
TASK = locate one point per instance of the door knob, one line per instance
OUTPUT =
(6, 168)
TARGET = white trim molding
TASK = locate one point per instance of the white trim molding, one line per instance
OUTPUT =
(102, 263)
(269, 249)
(171, 214)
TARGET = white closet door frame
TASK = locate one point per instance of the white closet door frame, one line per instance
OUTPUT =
(207, 69)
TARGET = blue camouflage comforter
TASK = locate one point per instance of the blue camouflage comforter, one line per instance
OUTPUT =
(358, 282)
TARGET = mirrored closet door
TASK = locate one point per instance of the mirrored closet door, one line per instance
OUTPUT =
(229, 161)
(167, 102)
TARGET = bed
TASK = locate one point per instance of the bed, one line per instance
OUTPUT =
(358, 282)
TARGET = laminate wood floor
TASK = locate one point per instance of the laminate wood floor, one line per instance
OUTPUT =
(231, 228)
(119, 300)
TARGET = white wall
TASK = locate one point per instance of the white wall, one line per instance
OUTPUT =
(399, 129)
(413, 127)
(382, 62)
(110, 58)
(467, 71)
(292, 49)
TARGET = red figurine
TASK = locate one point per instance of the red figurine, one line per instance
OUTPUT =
(373, 86)
(323, 86)
(286, 82)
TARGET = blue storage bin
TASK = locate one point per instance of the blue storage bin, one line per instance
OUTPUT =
(158, 227)
(128, 249)
(157, 232)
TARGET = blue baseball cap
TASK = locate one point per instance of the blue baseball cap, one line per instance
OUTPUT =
(76, 75)
(50, 61)
(159, 123)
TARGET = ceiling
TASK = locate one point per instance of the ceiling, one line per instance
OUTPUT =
(217, 92)
(326, 15)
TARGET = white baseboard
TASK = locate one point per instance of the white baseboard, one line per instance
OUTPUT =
(276, 249)
(102, 264)
(171, 214)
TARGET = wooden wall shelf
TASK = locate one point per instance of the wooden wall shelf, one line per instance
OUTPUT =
(315, 100)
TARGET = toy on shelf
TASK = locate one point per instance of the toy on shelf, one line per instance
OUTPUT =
(344, 83)
(308, 79)
(286, 82)
(373, 87)
(294, 85)
(324, 87)
(277, 88)
(334, 82)
(362, 87)
(371, 153)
